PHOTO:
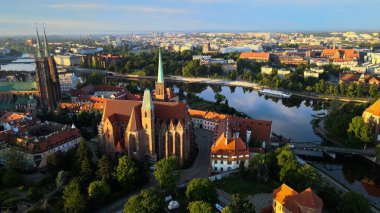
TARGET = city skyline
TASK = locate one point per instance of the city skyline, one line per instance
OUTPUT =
(116, 16)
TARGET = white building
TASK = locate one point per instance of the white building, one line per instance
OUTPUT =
(68, 82)
(266, 70)
(227, 153)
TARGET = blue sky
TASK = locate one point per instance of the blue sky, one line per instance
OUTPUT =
(117, 16)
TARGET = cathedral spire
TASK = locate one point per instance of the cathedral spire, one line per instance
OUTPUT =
(39, 54)
(147, 101)
(45, 43)
(160, 77)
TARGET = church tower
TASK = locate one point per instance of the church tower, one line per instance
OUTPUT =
(160, 84)
(147, 121)
(49, 90)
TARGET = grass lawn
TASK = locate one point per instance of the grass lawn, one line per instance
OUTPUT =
(244, 187)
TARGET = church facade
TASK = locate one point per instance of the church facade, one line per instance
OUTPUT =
(147, 130)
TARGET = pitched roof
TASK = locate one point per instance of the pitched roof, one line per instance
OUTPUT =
(17, 86)
(309, 199)
(254, 55)
(147, 100)
(230, 146)
(11, 116)
(160, 76)
(374, 109)
(282, 193)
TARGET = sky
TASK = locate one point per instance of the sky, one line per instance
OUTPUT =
(18, 17)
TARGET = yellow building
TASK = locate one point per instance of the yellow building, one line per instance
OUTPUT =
(266, 70)
(372, 116)
(310, 74)
(67, 60)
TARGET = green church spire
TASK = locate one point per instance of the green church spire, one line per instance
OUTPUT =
(46, 44)
(39, 54)
(160, 77)
(147, 101)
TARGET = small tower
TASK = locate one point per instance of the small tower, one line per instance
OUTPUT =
(147, 121)
(160, 84)
(38, 49)
(45, 44)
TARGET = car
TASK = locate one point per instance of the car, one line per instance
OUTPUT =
(173, 205)
(219, 207)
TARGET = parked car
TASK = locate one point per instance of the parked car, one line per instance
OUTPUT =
(173, 205)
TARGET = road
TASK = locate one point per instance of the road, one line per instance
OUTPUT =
(200, 168)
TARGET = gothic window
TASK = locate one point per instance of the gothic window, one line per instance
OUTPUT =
(146, 126)
(146, 114)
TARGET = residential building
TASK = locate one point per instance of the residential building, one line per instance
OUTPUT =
(341, 55)
(282, 73)
(257, 56)
(287, 200)
(310, 74)
(372, 116)
(68, 82)
(266, 70)
(373, 58)
(67, 60)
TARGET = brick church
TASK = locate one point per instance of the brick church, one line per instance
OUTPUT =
(147, 130)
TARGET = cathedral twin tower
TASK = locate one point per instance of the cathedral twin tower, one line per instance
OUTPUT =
(49, 90)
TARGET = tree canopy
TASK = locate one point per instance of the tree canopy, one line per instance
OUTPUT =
(201, 189)
(199, 207)
(166, 173)
(354, 202)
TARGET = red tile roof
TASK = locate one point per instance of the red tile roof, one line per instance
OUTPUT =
(255, 55)
(230, 146)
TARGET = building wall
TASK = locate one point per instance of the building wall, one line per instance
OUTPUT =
(226, 163)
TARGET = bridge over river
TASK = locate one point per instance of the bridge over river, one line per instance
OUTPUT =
(318, 147)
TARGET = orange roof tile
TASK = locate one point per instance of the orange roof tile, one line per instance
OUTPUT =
(374, 109)
(282, 193)
(12, 116)
(254, 55)
(230, 146)
(309, 199)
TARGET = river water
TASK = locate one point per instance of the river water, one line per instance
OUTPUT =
(292, 118)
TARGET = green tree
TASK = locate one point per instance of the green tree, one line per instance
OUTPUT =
(86, 170)
(289, 166)
(12, 178)
(105, 168)
(55, 162)
(373, 90)
(354, 202)
(199, 207)
(309, 89)
(240, 205)
(126, 172)
(15, 159)
(166, 173)
(359, 131)
(73, 200)
(98, 190)
(148, 201)
(60, 180)
(201, 189)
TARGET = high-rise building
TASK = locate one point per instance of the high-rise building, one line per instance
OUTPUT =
(48, 87)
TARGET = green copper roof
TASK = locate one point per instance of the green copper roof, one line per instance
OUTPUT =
(17, 86)
(160, 77)
(147, 101)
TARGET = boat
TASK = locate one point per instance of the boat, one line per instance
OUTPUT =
(275, 93)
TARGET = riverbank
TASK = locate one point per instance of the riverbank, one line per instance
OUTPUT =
(244, 84)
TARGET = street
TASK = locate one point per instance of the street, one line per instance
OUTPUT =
(200, 168)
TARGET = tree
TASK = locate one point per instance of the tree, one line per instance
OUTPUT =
(105, 168)
(98, 190)
(354, 202)
(219, 98)
(55, 162)
(359, 131)
(86, 170)
(373, 90)
(240, 205)
(126, 172)
(309, 89)
(15, 159)
(199, 207)
(83, 151)
(148, 201)
(289, 166)
(166, 173)
(73, 200)
(60, 180)
(201, 189)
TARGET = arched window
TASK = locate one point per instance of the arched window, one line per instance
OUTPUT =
(146, 126)
(146, 114)
(159, 91)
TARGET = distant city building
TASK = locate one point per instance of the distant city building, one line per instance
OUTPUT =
(341, 55)
(4, 51)
(266, 70)
(234, 49)
(373, 58)
(260, 57)
(86, 50)
(68, 82)
(207, 49)
(67, 60)
(282, 73)
(310, 74)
